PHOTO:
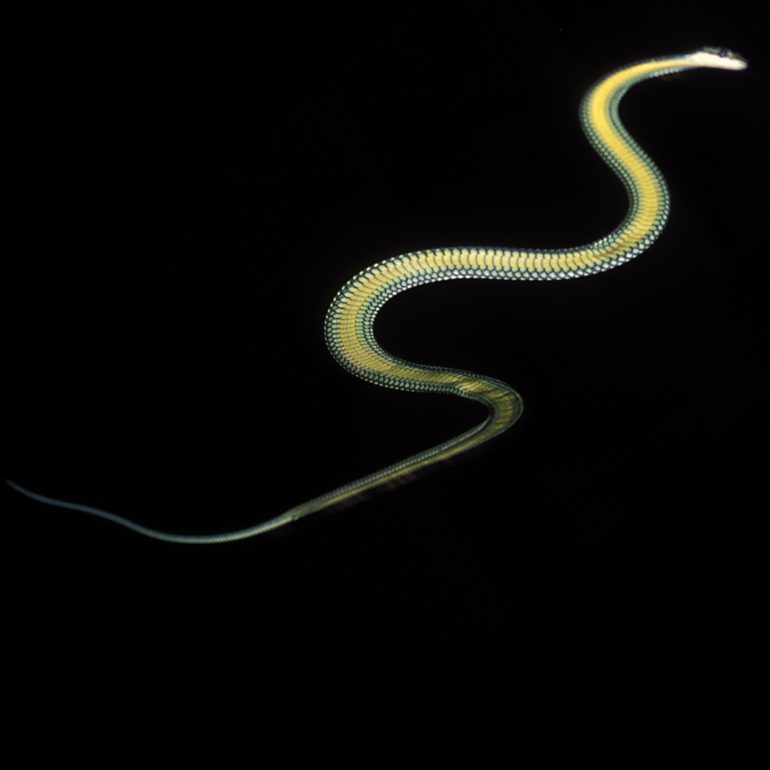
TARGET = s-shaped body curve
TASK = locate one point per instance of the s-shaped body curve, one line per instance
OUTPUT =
(350, 319)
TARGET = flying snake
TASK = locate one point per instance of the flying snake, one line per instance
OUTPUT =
(350, 318)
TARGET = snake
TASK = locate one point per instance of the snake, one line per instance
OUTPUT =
(349, 321)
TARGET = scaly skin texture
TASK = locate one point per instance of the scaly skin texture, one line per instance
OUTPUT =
(350, 318)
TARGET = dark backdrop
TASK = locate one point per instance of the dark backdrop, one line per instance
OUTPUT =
(194, 191)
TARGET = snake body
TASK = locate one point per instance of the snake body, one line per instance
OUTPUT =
(350, 319)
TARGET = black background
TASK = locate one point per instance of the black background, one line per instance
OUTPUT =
(195, 189)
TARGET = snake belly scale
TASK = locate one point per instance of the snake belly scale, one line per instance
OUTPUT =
(350, 319)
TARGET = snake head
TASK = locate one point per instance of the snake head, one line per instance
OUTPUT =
(720, 58)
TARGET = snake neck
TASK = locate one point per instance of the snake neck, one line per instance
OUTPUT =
(647, 192)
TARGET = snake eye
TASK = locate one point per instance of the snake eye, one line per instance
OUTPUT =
(723, 52)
